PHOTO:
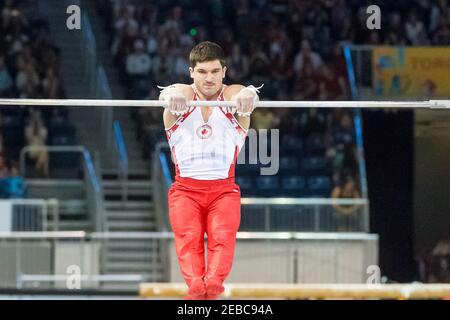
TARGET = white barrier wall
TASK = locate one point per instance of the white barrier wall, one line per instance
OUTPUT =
(5, 216)
(298, 261)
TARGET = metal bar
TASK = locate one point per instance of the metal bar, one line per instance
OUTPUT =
(43, 235)
(95, 277)
(302, 201)
(245, 235)
(309, 291)
(316, 218)
(262, 104)
(169, 235)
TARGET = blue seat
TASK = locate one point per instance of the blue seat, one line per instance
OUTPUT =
(314, 164)
(65, 160)
(59, 130)
(292, 186)
(290, 144)
(246, 183)
(62, 140)
(10, 121)
(342, 136)
(288, 164)
(267, 185)
(319, 186)
(293, 183)
(319, 182)
(315, 145)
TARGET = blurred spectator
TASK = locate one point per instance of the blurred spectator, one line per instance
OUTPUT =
(282, 71)
(3, 167)
(312, 122)
(264, 118)
(259, 65)
(138, 62)
(441, 262)
(12, 16)
(26, 75)
(29, 68)
(138, 67)
(36, 136)
(331, 87)
(335, 157)
(6, 83)
(237, 65)
(125, 18)
(2, 147)
(51, 85)
(306, 85)
(162, 66)
(442, 34)
(306, 56)
(12, 186)
(423, 259)
(181, 65)
(415, 30)
(347, 217)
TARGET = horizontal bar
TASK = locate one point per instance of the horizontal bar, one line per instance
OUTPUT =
(31, 202)
(96, 277)
(308, 291)
(43, 235)
(435, 104)
(245, 235)
(169, 235)
(317, 236)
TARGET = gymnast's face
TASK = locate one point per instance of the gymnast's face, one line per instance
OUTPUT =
(208, 77)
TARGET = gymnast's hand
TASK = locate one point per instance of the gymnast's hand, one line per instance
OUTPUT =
(176, 101)
(245, 102)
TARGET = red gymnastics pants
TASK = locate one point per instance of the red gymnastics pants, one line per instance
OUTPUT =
(197, 207)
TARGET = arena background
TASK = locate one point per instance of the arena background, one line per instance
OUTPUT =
(84, 208)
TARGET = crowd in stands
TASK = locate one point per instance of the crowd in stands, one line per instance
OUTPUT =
(433, 263)
(29, 68)
(293, 47)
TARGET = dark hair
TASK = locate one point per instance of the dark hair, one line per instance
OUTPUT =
(206, 51)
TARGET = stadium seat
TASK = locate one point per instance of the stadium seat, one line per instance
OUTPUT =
(290, 144)
(267, 185)
(292, 185)
(319, 186)
(314, 165)
(315, 145)
(246, 183)
(288, 165)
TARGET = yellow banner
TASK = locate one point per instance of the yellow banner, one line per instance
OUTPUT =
(421, 72)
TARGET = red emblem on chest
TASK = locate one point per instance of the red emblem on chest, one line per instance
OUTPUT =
(204, 131)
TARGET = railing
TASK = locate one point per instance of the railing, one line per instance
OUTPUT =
(359, 67)
(357, 120)
(94, 193)
(90, 53)
(106, 113)
(96, 76)
(123, 159)
(53, 260)
(304, 214)
(273, 214)
(93, 189)
(161, 181)
(28, 214)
